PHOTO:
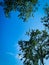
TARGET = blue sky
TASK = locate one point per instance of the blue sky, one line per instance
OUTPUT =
(12, 30)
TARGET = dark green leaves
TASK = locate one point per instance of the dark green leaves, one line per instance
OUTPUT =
(24, 7)
(45, 19)
(36, 48)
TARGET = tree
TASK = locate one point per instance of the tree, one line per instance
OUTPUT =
(36, 48)
(24, 7)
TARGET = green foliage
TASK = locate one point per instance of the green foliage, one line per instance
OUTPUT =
(24, 7)
(36, 48)
(45, 19)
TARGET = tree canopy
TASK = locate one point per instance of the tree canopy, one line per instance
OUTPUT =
(36, 48)
(26, 8)
(45, 19)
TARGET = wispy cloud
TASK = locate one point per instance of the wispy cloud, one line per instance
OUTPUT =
(10, 53)
(16, 56)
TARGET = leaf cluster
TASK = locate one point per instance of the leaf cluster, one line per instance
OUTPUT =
(24, 7)
(37, 48)
(45, 19)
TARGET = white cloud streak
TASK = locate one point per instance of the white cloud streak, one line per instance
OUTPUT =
(16, 56)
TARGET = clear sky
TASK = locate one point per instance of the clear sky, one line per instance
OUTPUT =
(12, 30)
